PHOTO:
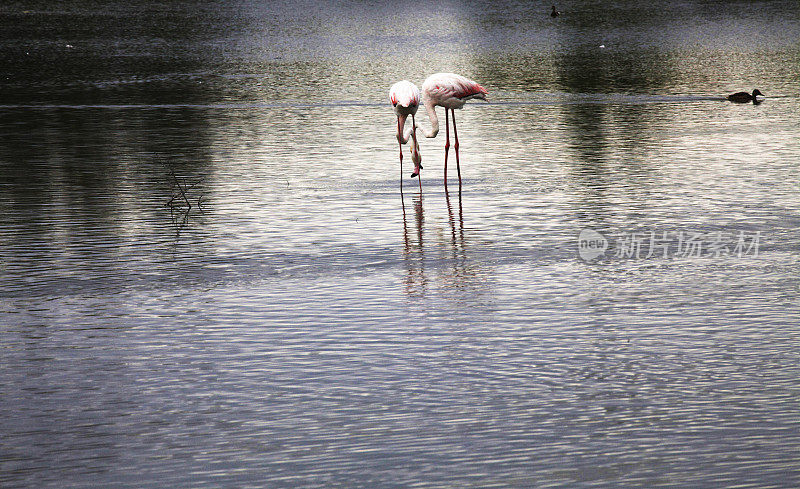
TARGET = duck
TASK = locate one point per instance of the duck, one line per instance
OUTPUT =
(554, 13)
(744, 97)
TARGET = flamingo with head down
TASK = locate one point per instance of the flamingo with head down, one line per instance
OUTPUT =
(450, 91)
(405, 97)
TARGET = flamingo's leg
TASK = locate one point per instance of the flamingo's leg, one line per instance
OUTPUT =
(455, 135)
(446, 142)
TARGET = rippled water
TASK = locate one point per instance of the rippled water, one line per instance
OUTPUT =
(306, 324)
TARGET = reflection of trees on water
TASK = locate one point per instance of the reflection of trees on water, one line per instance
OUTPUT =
(86, 188)
(604, 138)
(609, 141)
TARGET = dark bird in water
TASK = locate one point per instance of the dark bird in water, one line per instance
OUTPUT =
(554, 13)
(744, 97)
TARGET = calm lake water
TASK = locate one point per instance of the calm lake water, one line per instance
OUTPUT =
(306, 324)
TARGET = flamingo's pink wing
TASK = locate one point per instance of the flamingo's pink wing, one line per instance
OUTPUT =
(466, 87)
(457, 86)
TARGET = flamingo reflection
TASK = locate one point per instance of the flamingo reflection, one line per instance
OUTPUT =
(445, 254)
(415, 282)
(461, 270)
(457, 242)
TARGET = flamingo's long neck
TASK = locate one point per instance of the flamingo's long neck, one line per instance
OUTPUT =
(403, 133)
(415, 156)
(430, 108)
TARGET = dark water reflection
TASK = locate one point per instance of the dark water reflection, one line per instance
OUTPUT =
(308, 325)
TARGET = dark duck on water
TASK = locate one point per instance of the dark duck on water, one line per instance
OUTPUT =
(744, 97)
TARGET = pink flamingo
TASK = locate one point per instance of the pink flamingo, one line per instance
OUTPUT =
(450, 91)
(404, 96)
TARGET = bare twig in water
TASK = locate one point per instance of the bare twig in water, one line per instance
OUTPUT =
(181, 202)
(177, 183)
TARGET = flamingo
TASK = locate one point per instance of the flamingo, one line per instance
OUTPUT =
(404, 96)
(450, 91)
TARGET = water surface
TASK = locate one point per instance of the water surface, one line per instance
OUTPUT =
(306, 324)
